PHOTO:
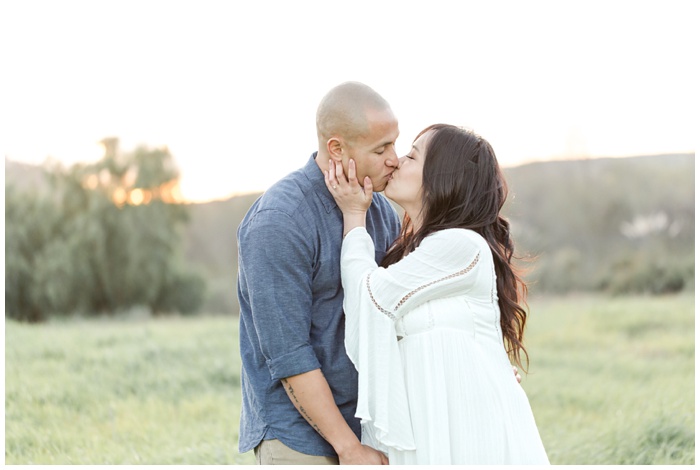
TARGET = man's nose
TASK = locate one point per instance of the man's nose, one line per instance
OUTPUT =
(392, 160)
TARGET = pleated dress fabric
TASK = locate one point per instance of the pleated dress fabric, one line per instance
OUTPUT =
(435, 382)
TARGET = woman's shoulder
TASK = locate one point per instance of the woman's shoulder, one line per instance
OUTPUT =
(458, 236)
(458, 233)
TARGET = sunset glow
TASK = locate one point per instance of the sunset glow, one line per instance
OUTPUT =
(137, 197)
(234, 98)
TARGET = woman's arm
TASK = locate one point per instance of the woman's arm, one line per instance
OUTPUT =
(445, 264)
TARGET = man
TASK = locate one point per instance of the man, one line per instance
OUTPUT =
(299, 387)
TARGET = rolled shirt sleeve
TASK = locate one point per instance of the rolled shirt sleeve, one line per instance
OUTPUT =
(276, 261)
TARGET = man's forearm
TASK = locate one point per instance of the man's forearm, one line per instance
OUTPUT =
(312, 396)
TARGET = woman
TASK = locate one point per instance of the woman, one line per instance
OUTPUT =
(433, 330)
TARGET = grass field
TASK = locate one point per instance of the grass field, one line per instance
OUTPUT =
(160, 391)
(611, 382)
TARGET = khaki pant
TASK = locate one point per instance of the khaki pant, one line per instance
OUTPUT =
(273, 452)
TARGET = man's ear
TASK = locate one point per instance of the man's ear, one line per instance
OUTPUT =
(335, 148)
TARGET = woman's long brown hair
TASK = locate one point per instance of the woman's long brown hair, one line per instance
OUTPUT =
(463, 187)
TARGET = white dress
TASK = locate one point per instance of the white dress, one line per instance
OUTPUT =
(435, 382)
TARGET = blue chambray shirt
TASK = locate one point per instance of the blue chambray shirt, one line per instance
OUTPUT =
(291, 300)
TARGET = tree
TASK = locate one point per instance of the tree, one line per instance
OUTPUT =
(106, 237)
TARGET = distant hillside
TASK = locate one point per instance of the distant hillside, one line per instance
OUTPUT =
(591, 224)
(618, 224)
(613, 223)
(212, 229)
(210, 244)
(23, 175)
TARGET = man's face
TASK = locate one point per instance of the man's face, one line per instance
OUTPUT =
(374, 153)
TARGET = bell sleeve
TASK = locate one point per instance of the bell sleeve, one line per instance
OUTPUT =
(374, 298)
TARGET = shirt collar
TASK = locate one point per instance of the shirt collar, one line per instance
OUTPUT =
(318, 183)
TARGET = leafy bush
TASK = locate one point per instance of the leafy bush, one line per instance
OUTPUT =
(645, 275)
(103, 238)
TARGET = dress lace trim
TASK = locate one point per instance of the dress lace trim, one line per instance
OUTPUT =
(374, 301)
(391, 315)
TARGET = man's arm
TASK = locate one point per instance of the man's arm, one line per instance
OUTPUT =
(283, 334)
(312, 397)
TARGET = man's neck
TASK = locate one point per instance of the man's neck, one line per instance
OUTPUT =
(322, 160)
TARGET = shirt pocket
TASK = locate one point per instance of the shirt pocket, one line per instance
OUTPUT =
(326, 273)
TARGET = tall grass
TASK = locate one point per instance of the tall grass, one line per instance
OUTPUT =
(115, 392)
(611, 382)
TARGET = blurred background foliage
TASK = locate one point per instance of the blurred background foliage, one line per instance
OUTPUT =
(97, 238)
(113, 235)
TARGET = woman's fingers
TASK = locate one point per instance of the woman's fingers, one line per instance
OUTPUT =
(328, 177)
(339, 173)
(369, 188)
(352, 172)
(335, 177)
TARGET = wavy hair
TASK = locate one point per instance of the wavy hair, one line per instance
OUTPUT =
(463, 187)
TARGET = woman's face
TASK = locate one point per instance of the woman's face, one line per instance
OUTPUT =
(405, 187)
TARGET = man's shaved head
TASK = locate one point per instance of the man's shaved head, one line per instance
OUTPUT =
(355, 123)
(343, 111)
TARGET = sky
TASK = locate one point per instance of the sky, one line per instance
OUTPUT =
(231, 87)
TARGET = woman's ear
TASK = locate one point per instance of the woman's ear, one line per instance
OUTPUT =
(335, 148)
